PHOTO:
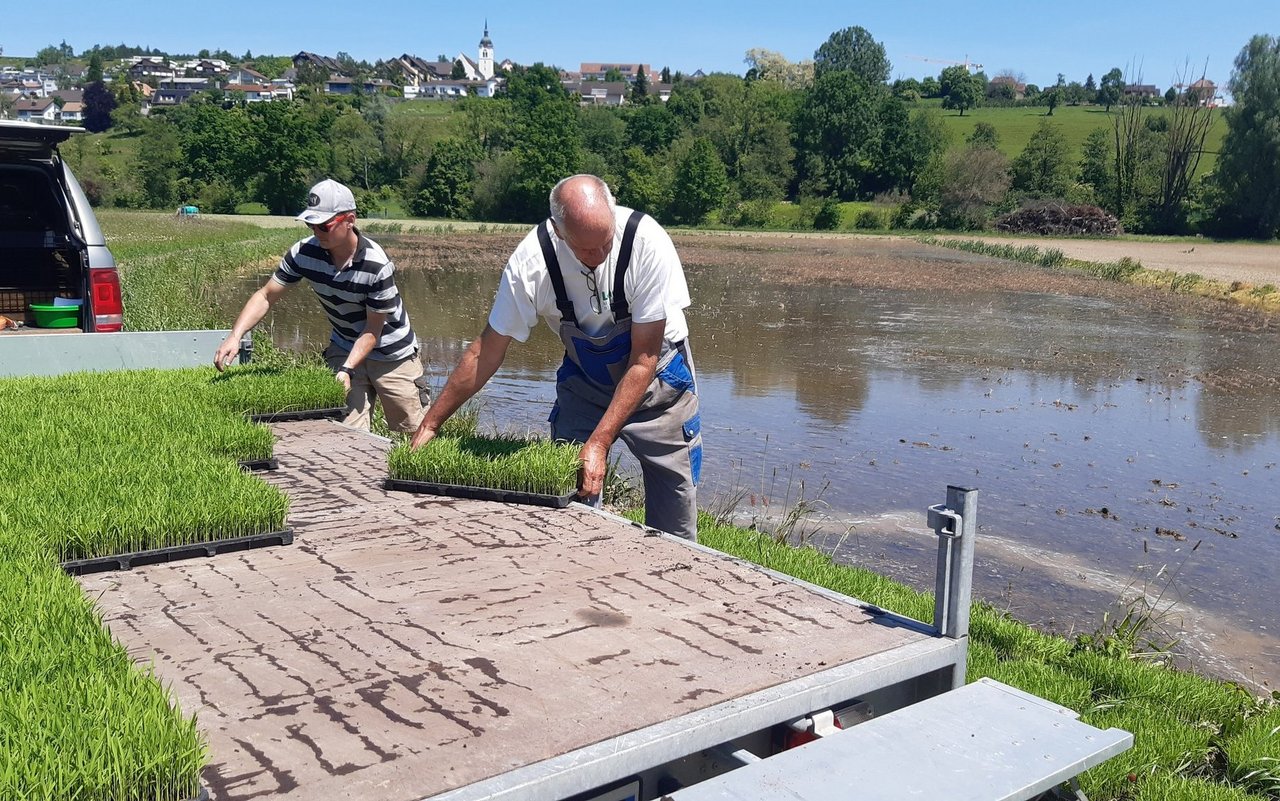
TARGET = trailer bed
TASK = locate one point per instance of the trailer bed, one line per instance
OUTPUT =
(410, 646)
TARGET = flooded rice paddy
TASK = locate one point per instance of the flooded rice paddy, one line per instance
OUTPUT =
(1109, 429)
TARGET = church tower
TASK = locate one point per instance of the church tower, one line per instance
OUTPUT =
(484, 64)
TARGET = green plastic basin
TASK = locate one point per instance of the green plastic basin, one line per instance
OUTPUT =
(48, 316)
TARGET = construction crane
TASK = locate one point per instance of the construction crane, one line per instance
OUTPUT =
(968, 65)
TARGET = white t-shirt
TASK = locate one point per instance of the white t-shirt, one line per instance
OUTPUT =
(655, 284)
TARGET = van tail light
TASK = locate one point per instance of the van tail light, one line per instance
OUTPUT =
(108, 307)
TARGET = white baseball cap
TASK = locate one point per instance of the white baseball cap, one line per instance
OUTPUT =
(326, 200)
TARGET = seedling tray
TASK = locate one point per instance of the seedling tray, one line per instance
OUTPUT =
(480, 493)
(128, 561)
(255, 465)
(303, 414)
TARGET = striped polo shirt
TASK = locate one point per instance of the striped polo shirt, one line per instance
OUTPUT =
(367, 284)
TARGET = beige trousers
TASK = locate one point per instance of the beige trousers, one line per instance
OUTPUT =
(401, 386)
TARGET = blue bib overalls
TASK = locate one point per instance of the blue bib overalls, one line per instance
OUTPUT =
(664, 432)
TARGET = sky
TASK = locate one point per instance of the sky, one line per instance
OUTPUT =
(1156, 41)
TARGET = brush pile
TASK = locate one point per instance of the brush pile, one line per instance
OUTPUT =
(1059, 219)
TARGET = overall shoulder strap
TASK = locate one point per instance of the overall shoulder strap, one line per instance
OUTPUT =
(619, 305)
(553, 270)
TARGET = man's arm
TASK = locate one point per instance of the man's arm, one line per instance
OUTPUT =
(479, 362)
(646, 345)
(255, 308)
(364, 344)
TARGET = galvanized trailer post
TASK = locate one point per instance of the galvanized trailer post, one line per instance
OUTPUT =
(956, 524)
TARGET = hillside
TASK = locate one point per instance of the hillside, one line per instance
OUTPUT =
(1016, 125)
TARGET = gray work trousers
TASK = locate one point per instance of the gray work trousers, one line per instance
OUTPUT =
(664, 435)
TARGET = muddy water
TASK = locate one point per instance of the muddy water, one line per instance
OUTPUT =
(1108, 436)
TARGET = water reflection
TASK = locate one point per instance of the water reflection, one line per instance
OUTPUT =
(1117, 431)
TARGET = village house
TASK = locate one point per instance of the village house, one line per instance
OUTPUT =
(1143, 91)
(36, 109)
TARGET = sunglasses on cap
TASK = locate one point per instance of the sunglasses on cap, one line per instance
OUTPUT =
(327, 226)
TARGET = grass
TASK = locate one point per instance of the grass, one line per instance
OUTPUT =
(171, 269)
(1016, 125)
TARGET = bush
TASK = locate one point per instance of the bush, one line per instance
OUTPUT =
(869, 220)
(828, 216)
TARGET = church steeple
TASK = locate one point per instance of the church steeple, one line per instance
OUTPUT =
(484, 61)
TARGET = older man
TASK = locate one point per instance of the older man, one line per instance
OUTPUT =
(372, 348)
(607, 280)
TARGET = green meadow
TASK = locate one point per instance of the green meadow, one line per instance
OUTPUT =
(1016, 125)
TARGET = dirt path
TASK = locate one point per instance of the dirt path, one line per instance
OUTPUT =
(1253, 263)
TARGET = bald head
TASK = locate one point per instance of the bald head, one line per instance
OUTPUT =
(582, 210)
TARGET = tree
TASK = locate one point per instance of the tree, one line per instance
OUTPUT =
(158, 158)
(959, 89)
(288, 153)
(1248, 171)
(644, 182)
(459, 71)
(652, 128)
(766, 65)
(700, 183)
(1095, 166)
(836, 129)
(1089, 85)
(94, 71)
(973, 180)
(98, 105)
(1052, 98)
(1042, 167)
(747, 121)
(1111, 89)
(640, 88)
(984, 135)
(446, 185)
(929, 87)
(665, 76)
(852, 50)
(614, 75)
(355, 146)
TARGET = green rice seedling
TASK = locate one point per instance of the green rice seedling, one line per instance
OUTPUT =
(507, 463)
(1253, 754)
(80, 719)
(100, 464)
(259, 389)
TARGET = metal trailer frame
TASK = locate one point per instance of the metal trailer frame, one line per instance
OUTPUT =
(890, 680)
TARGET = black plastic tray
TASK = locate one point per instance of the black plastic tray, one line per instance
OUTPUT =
(260, 464)
(127, 561)
(480, 493)
(303, 414)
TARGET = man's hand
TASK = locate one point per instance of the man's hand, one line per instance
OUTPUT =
(594, 459)
(344, 379)
(226, 353)
(421, 437)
